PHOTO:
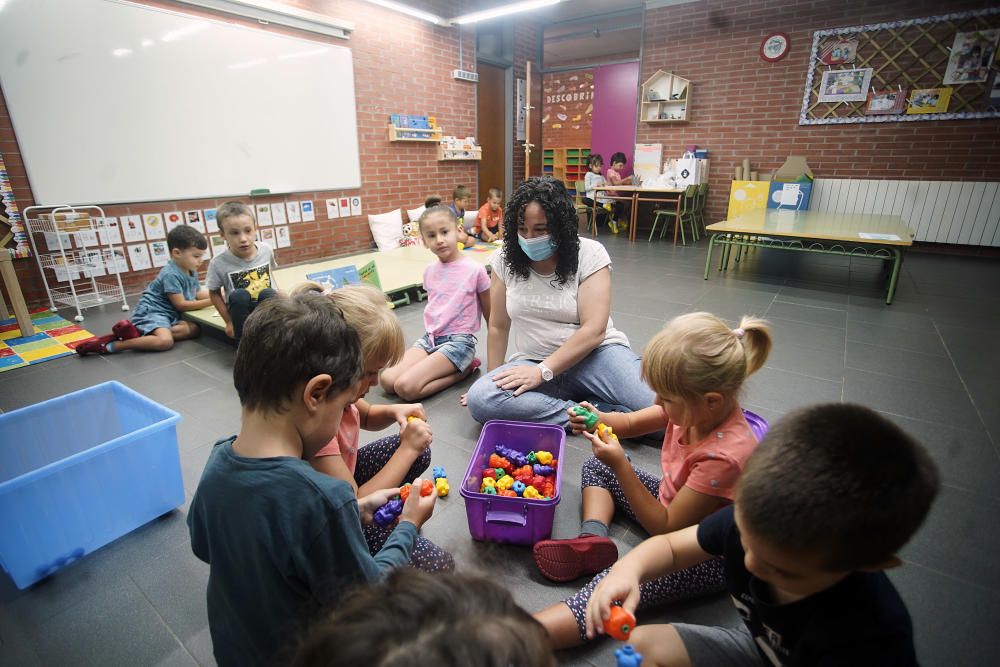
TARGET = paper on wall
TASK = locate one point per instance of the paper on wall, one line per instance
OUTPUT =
(264, 215)
(159, 252)
(86, 238)
(267, 236)
(345, 206)
(139, 256)
(172, 219)
(132, 228)
(109, 232)
(52, 240)
(117, 262)
(153, 222)
(294, 214)
(218, 245)
(211, 223)
(308, 212)
(194, 219)
(92, 263)
(278, 213)
(283, 237)
(332, 209)
(355, 205)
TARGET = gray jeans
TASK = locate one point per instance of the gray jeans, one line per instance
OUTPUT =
(610, 377)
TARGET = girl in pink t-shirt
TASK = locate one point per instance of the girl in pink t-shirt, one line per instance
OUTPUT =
(458, 297)
(696, 365)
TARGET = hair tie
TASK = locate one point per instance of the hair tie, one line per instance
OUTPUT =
(739, 333)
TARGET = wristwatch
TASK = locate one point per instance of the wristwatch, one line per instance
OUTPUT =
(547, 373)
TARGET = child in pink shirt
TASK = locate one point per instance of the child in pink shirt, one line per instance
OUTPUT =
(458, 295)
(696, 365)
(616, 176)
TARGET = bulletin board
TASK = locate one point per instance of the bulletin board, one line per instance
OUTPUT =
(914, 55)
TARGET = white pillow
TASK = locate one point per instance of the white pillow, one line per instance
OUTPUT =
(414, 214)
(387, 229)
(470, 220)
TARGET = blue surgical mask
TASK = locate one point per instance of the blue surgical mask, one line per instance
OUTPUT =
(538, 248)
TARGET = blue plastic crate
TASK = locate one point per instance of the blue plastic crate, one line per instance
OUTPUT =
(79, 471)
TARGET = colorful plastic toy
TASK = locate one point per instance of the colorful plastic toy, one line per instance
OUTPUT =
(545, 458)
(490, 472)
(441, 484)
(490, 490)
(426, 489)
(404, 491)
(590, 417)
(539, 469)
(387, 513)
(505, 483)
(531, 492)
(627, 656)
(524, 474)
(619, 624)
(497, 461)
(512, 455)
(603, 429)
(439, 472)
(413, 418)
(499, 472)
(488, 483)
(506, 492)
(518, 488)
(532, 458)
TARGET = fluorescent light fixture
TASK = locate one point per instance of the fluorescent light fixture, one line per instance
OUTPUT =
(277, 13)
(121, 53)
(503, 10)
(146, 43)
(248, 64)
(410, 11)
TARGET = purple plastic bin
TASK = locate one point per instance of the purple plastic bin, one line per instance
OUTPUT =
(504, 519)
(757, 424)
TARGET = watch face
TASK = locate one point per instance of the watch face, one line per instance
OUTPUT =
(774, 47)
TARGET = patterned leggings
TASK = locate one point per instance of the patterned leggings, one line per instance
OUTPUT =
(372, 458)
(702, 579)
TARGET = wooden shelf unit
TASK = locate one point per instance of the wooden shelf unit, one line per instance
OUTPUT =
(428, 135)
(665, 98)
(456, 154)
(569, 165)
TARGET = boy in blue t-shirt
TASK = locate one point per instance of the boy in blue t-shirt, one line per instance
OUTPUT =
(825, 503)
(156, 321)
(283, 540)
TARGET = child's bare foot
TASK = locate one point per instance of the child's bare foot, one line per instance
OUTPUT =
(463, 400)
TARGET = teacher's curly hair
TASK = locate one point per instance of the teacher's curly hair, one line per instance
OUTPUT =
(560, 213)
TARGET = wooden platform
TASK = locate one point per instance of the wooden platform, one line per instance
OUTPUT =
(401, 272)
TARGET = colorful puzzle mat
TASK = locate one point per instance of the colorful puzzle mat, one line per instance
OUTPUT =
(54, 337)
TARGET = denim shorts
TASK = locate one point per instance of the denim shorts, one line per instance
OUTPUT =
(460, 349)
(707, 645)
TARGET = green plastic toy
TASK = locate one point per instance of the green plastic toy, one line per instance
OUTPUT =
(590, 417)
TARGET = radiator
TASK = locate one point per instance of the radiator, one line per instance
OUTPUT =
(963, 212)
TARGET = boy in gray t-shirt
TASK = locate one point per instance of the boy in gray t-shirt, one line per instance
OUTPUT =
(243, 275)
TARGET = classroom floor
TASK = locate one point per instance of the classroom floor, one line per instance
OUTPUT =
(925, 361)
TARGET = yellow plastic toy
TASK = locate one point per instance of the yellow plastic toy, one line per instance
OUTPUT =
(531, 492)
(603, 429)
(504, 482)
(413, 418)
(441, 484)
(487, 482)
(544, 457)
(461, 246)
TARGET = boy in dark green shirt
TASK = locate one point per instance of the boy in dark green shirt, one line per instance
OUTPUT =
(283, 540)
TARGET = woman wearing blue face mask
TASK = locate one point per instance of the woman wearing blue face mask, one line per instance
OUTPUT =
(551, 342)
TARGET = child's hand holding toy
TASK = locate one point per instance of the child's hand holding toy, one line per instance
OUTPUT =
(416, 434)
(606, 447)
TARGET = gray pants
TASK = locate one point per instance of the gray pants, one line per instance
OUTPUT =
(610, 377)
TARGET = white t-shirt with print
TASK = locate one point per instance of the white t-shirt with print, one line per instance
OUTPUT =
(543, 313)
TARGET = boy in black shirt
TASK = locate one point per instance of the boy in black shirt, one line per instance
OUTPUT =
(281, 539)
(826, 501)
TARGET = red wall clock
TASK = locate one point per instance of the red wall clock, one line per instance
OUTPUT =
(775, 47)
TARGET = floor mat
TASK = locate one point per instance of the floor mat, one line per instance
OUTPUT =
(54, 337)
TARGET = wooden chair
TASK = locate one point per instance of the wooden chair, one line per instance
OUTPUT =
(687, 215)
(583, 208)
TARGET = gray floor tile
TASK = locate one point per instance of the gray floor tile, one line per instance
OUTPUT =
(954, 623)
(826, 364)
(918, 400)
(200, 647)
(813, 294)
(905, 364)
(174, 584)
(170, 383)
(806, 335)
(828, 317)
(959, 517)
(784, 391)
(925, 342)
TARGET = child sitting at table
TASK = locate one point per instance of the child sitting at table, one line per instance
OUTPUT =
(615, 176)
(600, 202)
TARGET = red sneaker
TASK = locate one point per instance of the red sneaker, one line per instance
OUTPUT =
(97, 345)
(125, 330)
(566, 560)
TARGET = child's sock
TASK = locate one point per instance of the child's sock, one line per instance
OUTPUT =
(110, 347)
(594, 527)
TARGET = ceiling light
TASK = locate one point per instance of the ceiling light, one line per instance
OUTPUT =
(411, 11)
(503, 10)
(278, 13)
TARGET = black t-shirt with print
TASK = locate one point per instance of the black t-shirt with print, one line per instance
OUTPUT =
(861, 620)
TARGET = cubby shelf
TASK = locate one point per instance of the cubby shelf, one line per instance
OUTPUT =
(432, 135)
(665, 98)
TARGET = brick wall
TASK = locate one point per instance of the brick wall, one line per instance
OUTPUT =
(744, 107)
(401, 65)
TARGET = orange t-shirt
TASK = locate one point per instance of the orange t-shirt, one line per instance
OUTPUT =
(491, 217)
(711, 466)
(345, 443)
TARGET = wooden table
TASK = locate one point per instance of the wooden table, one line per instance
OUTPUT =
(636, 194)
(21, 313)
(876, 236)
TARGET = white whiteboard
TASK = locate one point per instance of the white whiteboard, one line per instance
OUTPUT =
(118, 102)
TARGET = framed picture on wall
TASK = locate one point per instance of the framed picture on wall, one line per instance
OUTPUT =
(845, 85)
(888, 101)
(995, 91)
(929, 100)
(839, 52)
(971, 56)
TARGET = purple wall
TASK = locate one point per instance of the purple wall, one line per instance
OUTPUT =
(616, 93)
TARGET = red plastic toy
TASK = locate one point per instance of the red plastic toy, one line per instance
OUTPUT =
(619, 624)
(426, 489)
(497, 461)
